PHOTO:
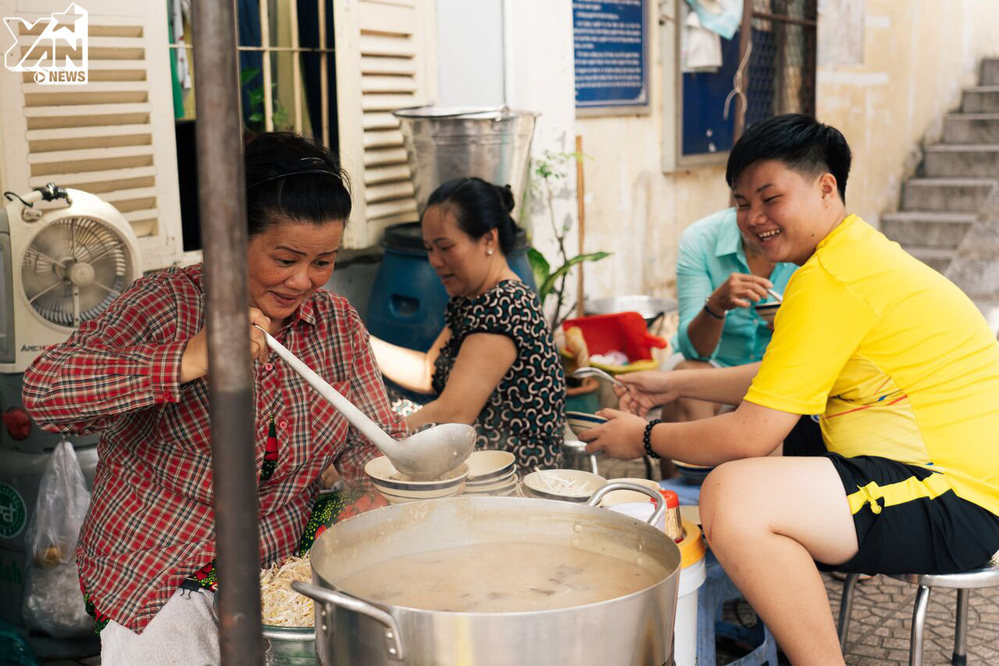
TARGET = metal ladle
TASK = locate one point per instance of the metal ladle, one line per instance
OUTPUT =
(590, 371)
(425, 455)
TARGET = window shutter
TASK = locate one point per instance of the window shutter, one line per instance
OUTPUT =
(113, 136)
(384, 61)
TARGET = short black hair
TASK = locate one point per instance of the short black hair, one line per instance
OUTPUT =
(799, 141)
(291, 177)
(479, 207)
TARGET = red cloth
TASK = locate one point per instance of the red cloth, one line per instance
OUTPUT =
(150, 522)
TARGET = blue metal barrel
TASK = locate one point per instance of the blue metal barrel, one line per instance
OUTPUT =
(407, 298)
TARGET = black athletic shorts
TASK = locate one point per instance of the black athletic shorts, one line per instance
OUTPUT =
(908, 520)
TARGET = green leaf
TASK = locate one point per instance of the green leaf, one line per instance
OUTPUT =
(549, 283)
(256, 117)
(247, 75)
(539, 267)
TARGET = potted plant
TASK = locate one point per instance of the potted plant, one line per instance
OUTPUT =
(547, 173)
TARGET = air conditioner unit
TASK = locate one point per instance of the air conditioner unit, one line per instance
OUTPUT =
(59, 268)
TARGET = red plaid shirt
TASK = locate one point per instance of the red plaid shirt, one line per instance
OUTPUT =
(150, 522)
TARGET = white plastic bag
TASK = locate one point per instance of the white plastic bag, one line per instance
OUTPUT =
(52, 599)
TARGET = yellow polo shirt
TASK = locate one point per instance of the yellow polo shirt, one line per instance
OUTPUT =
(897, 360)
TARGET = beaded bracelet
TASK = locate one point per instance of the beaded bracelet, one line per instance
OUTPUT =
(648, 434)
(711, 312)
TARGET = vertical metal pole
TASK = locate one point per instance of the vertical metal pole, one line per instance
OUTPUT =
(324, 84)
(742, 102)
(230, 377)
(296, 64)
(581, 212)
(265, 42)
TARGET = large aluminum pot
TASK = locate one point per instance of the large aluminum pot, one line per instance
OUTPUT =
(444, 143)
(633, 629)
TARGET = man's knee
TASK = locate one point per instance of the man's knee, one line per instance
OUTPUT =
(726, 502)
(715, 497)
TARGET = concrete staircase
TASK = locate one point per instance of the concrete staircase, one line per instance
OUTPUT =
(940, 203)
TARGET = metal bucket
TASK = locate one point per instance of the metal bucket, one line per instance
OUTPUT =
(289, 646)
(633, 629)
(444, 143)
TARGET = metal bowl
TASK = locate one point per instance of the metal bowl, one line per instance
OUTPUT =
(650, 307)
(283, 646)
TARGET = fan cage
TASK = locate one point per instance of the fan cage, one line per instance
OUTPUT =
(45, 269)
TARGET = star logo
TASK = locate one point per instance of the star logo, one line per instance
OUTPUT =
(58, 55)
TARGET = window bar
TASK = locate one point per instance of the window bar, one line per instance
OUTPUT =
(265, 42)
(296, 64)
(323, 72)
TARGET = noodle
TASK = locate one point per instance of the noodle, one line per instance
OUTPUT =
(282, 606)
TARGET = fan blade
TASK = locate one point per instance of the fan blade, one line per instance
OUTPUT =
(46, 290)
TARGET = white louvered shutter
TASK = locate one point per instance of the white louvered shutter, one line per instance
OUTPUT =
(113, 136)
(385, 60)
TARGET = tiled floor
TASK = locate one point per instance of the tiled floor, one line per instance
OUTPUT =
(881, 618)
(882, 613)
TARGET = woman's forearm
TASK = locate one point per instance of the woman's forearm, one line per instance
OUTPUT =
(437, 412)
(408, 368)
(704, 333)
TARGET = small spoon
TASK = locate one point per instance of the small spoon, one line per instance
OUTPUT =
(425, 455)
(590, 371)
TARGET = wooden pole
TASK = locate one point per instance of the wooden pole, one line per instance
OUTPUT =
(581, 212)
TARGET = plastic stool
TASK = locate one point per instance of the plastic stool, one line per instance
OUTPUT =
(964, 582)
(717, 589)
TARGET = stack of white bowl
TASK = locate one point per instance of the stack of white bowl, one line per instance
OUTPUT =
(397, 488)
(491, 473)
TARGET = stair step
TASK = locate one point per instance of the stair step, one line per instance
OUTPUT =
(961, 160)
(954, 195)
(936, 258)
(980, 99)
(989, 73)
(971, 128)
(927, 228)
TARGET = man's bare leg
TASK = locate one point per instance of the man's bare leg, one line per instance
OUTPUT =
(766, 520)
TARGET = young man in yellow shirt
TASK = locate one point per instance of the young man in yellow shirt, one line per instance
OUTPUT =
(900, 474)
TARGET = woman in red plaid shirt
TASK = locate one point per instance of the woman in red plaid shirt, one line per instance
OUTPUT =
(138, 374)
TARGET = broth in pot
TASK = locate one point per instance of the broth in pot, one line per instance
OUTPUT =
(505, 577)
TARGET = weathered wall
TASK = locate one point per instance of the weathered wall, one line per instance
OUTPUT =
(916, 57)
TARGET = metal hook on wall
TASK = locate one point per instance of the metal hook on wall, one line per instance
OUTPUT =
(737, 89)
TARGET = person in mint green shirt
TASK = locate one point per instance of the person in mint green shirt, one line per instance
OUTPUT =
(719, 277)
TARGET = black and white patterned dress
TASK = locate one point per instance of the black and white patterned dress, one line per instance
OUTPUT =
(525, 414)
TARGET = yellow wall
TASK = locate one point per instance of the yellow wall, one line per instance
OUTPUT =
(918, 55)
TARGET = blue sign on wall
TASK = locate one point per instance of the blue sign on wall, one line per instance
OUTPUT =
(611, 49)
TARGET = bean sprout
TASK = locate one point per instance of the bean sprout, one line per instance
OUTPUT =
(281, 605)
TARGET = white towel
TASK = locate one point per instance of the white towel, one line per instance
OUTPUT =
(183, 633)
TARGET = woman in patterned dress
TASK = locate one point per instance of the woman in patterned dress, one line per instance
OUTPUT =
(138, 373)
(495, 365)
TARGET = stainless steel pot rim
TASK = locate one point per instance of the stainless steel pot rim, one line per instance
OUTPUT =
(461, 112)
